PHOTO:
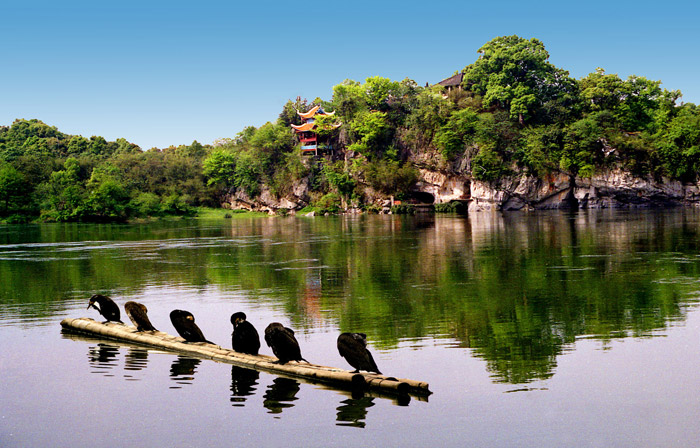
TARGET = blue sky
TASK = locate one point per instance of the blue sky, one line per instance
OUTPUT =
(167, 73)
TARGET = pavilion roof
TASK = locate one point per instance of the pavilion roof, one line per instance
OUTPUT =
(304, 127)
(452, 81)
(316, 110)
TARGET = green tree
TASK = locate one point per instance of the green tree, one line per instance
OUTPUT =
(515, 74)
(13, 192)
(219, 168)
(372, 133)
(678, 145)
(349, 99)
(64, 195)
(459, 131)
(107, 198)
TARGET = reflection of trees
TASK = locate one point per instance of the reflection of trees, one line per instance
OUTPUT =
(514, 288)
(353, 411)
(243, 382)
(280, 394)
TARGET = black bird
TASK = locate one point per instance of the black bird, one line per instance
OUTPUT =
(353, 347)
(183, 321)
(138, 315)
(107, 308)
(245, 338)
(283, 343)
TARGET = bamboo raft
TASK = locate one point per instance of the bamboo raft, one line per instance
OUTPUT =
(311, 372)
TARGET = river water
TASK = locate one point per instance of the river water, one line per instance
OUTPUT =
(533, 329)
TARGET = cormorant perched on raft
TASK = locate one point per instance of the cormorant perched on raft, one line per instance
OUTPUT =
(183, 321)
(283, 343)
(245, 338)
(353, 347)
(138, 315)
(107, 308)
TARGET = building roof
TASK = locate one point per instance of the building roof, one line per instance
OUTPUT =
(309, 114)
(452, 81)
(316, 110)
(304, 127)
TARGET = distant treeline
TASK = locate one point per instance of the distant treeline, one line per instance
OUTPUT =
(514, 112)
(53, 176)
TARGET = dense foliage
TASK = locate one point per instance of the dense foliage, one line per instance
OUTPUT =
(514, 112)
(58, 177)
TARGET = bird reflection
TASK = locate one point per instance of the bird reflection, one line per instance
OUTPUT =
(103, 357)
(135, 359)
(243, 382)
(353, 411)
(280, 395)
(182, 370)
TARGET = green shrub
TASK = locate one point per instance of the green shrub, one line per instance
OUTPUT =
(329, 203)
(403, 209)
(146, 204)
(450, 207)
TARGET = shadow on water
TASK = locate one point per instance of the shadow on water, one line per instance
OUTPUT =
(182, 370)
(353, 411)
(103, 358)
(281, 394)
(135, 359)
(243, 382)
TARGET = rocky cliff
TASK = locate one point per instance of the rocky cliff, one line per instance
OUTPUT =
(607, 189)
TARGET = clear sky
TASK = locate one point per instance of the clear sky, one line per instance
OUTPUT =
(167, 73)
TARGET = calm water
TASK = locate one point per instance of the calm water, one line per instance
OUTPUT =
(543, 329)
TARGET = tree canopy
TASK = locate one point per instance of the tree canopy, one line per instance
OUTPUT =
(514, 112)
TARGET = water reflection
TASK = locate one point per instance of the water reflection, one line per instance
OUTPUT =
(353, 411)
(281, 394)
(243, 382)
(135, 359)
(182, 370)
(103, 358)
(517, 290)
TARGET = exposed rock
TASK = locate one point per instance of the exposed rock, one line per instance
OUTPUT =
(296, 199)
(612, 188)
(616, 188)
(607, 189)
(444, 187)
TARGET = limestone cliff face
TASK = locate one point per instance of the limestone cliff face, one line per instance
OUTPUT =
(612, 188)
(607, 189)
(295, 198)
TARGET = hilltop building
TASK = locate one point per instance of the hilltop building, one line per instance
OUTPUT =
(308, 136)
(453, 82)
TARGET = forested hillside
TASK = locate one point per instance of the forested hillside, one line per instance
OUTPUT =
(514, 112)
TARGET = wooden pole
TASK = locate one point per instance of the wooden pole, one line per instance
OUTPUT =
(312, 372)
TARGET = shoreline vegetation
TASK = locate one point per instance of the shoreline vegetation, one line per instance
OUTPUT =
(510, 114)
